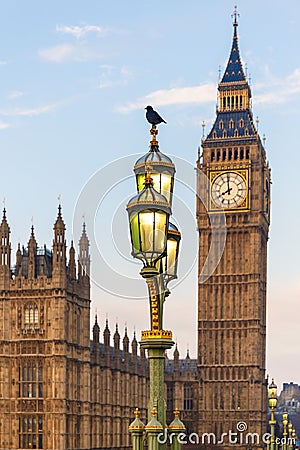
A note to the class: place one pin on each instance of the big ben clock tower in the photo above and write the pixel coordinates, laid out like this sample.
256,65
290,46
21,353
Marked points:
232,302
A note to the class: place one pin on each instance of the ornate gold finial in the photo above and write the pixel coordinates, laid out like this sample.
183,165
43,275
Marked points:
154,412
154,133
137,413
176,413
148,179
235,15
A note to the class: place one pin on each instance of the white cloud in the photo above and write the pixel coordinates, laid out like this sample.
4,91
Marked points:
67,52
193,94
79,31
35,111
29,112
277,90
4,125
273,91
15,94
111,76
3,62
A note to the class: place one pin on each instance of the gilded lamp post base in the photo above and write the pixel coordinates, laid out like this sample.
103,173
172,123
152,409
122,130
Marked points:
156,342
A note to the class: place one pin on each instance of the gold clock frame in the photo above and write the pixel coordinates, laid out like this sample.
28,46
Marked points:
244,206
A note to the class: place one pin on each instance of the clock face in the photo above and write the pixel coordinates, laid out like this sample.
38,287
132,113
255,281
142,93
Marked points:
228,190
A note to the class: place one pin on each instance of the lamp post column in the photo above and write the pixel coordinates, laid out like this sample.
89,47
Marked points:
285,421
272,405
155,241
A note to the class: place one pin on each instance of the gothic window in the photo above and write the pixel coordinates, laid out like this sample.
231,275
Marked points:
229,154
218,155
214,135
31,379
221,125
188,397
236,133
247,153
224,134
246,132
231,124
242,123
31,432
31,316
212,157
170,406
242,153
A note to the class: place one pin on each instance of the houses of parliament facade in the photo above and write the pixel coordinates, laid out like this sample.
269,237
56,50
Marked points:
60,389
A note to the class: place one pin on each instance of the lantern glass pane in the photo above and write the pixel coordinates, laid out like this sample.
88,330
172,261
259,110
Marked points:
171,252
140,179
146,230
160,238
135,232
162,183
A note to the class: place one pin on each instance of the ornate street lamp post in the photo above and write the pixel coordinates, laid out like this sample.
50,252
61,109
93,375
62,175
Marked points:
290,430
155,241
272,405
285,421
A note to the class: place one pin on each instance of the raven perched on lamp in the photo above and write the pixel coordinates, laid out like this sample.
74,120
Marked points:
153,117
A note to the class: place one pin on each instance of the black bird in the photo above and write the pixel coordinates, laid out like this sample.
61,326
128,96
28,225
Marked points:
153,117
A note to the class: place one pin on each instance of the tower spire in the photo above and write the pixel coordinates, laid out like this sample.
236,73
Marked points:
84,255
59,247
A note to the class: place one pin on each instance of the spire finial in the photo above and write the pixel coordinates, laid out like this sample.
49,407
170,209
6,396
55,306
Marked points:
264,139
203,128
257,122
220,72
235,16
4,209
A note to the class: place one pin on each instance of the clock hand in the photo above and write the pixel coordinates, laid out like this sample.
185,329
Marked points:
228,181
226,192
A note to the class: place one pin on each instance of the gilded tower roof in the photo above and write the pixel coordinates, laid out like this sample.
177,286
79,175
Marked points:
234,70
234,116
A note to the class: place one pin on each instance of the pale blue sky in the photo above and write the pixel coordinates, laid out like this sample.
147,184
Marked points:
75,77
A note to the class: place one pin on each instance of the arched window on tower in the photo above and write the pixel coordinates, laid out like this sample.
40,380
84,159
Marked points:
31,315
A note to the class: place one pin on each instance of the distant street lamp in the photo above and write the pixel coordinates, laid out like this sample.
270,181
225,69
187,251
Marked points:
155,241
272,405
285,421
290,430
